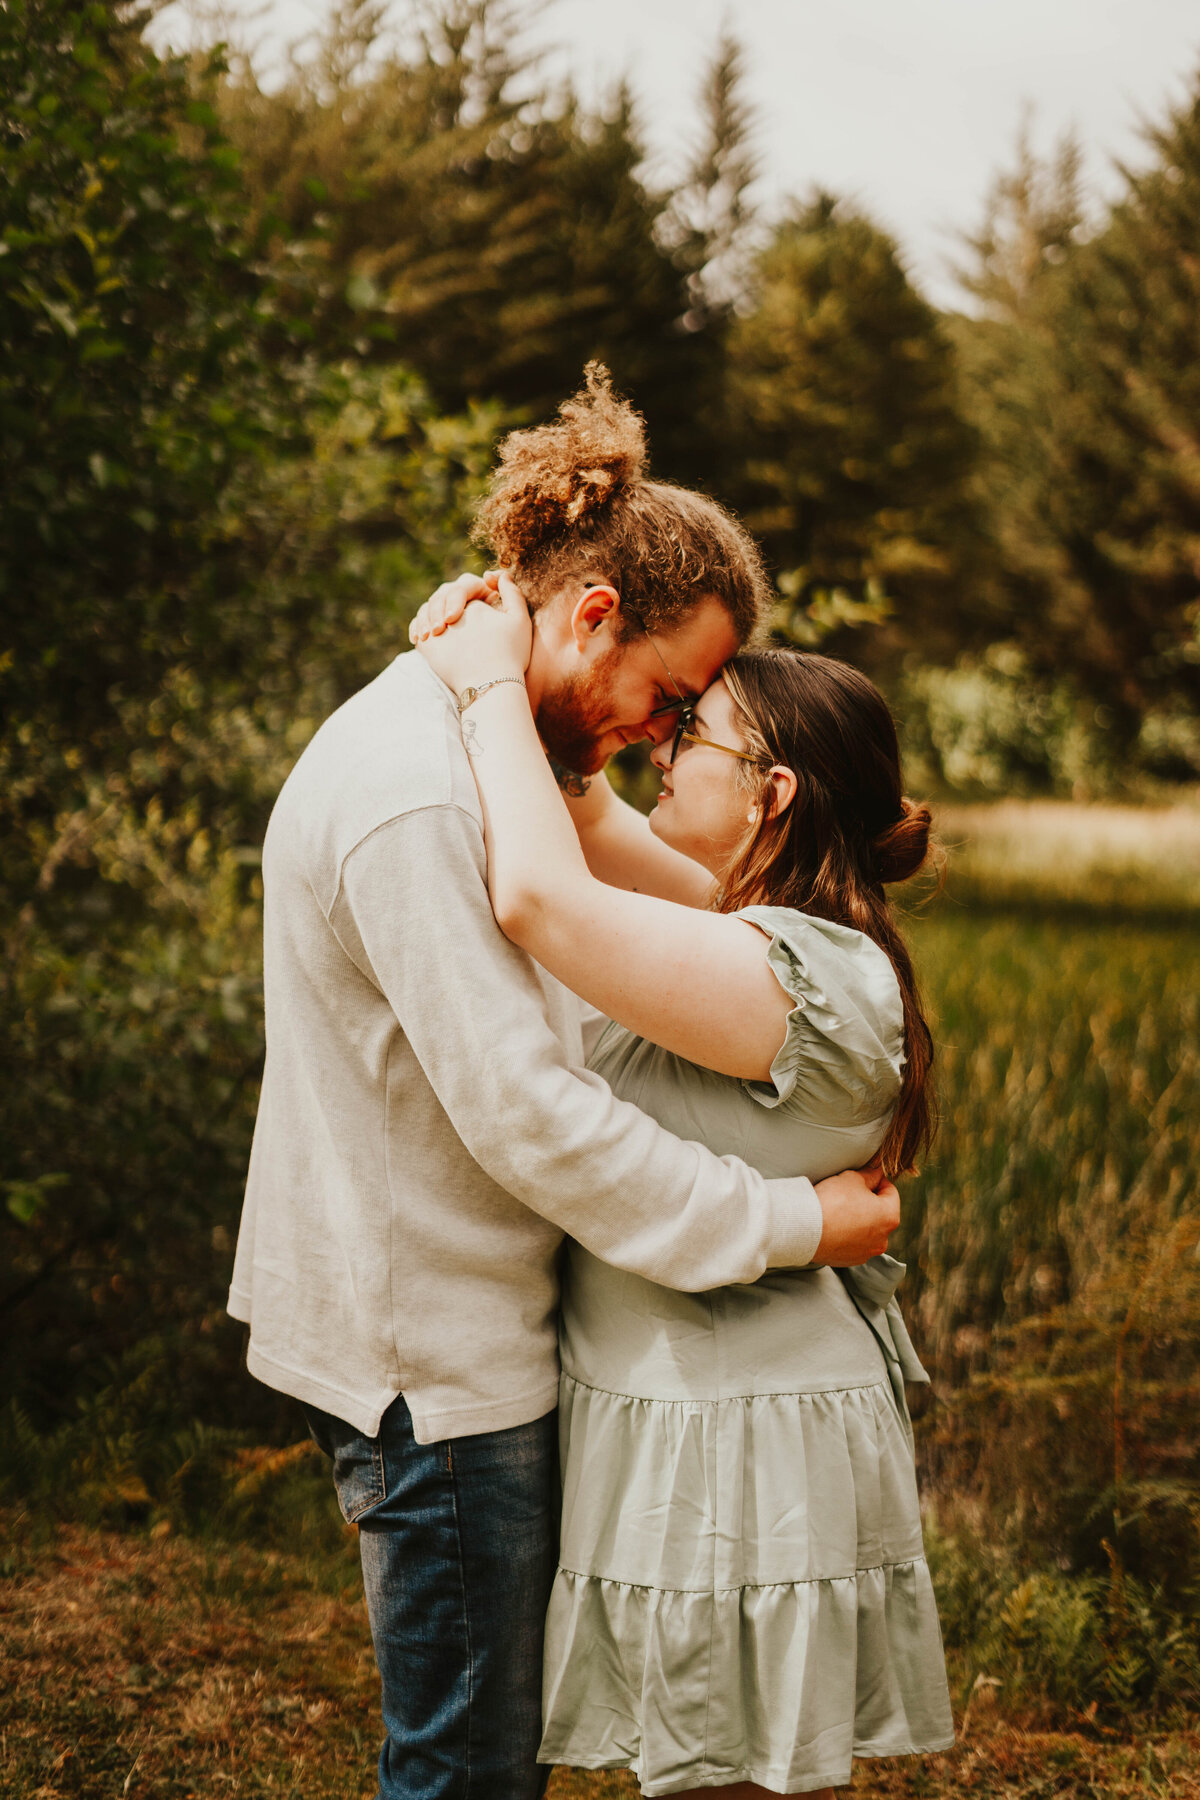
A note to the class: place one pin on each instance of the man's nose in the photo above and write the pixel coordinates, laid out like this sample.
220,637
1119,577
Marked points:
659,728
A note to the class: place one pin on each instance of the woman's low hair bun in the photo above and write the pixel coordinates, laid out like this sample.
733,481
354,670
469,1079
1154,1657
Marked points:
902,848
556,478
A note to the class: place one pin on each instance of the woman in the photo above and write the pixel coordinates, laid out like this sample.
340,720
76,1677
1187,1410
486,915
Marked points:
742,1599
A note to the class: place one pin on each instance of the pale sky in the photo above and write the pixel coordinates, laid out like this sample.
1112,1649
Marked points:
908,106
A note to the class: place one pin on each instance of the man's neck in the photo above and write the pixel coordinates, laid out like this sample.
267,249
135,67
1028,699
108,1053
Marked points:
541,670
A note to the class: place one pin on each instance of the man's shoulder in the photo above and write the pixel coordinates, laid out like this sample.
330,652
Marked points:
393,748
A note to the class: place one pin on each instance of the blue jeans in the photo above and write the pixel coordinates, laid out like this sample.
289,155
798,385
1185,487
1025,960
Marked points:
459,1543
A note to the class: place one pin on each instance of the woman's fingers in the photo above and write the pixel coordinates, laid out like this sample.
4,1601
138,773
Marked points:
456,596
448,602
511,597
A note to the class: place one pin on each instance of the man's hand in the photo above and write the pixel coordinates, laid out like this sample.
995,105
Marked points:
448,603
861,1209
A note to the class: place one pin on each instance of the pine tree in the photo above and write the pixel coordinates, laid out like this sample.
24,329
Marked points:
1007,361
1125,504
489,232
710,216
1082,378
842,382
1032,216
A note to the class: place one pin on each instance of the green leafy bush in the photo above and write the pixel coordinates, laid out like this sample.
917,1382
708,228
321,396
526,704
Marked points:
132,998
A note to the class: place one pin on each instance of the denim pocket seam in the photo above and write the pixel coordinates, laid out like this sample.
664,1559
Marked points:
378,1491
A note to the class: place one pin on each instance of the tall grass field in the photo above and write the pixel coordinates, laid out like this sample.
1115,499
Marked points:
1053,1250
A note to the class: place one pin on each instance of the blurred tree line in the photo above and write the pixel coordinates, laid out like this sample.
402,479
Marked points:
255,349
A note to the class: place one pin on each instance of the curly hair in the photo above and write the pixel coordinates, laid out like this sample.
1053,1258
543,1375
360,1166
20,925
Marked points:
572,500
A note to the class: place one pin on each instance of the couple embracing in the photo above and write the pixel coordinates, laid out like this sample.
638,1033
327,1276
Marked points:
553,1223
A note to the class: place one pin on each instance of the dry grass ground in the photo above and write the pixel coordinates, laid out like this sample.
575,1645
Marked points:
136,1668
1056,852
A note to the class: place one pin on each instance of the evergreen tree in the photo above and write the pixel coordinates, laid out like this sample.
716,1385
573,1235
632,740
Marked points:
1081,376
1006,352
488,232
710,217
1032,216
842,383
1124,506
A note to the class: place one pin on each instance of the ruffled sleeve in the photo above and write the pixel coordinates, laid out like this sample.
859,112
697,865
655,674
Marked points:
842,1057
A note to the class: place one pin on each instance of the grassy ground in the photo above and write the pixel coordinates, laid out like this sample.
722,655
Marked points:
1052,853
1069,1076
147,1668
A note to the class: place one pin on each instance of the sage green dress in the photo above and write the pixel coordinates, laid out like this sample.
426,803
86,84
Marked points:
742,1592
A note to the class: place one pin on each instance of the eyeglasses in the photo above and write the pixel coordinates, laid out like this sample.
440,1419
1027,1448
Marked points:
686,710
684,736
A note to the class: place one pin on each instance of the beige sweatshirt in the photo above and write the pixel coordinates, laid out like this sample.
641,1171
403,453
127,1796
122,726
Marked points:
427,1130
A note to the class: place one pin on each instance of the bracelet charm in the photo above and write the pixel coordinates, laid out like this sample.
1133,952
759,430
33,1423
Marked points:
472,693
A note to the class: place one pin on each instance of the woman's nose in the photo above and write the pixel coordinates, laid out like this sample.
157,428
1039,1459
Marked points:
660,756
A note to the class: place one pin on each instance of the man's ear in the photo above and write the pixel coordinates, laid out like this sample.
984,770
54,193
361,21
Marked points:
595,606
783,789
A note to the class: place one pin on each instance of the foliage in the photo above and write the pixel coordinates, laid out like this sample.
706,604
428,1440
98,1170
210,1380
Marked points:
1033,215
856,457
1128,508
711,218
132,994
1082,380
135,340
485,229
990,723
1052,1277
1058,1644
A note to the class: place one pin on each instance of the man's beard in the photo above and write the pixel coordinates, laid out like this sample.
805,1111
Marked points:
569,718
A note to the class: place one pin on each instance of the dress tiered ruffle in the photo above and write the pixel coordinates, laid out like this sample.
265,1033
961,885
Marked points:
743,1593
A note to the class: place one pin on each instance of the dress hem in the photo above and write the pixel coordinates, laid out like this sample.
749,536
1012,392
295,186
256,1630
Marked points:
751,1772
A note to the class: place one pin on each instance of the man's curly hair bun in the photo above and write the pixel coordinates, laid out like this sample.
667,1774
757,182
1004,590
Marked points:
561,478
572,502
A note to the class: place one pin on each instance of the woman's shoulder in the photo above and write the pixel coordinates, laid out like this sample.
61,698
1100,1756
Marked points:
845,1033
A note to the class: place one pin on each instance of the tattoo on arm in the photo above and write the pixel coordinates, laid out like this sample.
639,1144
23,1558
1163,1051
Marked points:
576,786
471,743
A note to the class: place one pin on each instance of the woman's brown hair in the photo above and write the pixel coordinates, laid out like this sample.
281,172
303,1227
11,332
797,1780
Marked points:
848,832
572,500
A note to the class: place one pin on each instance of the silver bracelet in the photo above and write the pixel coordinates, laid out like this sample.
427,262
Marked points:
473,693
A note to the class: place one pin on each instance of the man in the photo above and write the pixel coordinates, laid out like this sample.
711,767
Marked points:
427,1133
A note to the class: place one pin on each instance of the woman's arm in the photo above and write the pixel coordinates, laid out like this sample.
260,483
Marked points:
621,849
617,841
698,983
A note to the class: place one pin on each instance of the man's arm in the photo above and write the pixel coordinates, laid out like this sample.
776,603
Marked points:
413,913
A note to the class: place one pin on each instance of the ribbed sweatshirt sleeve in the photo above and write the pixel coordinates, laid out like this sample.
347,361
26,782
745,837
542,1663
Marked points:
412,911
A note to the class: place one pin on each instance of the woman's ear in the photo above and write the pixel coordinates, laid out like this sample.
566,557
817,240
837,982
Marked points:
782,788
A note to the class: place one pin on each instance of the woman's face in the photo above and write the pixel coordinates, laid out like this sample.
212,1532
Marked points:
706,804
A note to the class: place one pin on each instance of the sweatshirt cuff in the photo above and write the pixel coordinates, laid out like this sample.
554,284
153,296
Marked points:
798,1222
